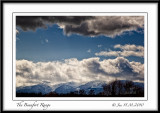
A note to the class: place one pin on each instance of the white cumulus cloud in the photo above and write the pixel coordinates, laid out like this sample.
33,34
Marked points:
29,73
99,46
46,40
126,50
89,50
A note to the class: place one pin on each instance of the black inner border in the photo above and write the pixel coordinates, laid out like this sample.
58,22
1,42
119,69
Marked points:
81,97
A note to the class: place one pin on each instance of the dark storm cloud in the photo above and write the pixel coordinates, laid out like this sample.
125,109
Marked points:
84,25
34,22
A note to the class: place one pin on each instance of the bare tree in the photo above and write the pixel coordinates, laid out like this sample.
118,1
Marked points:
107,90
120,87
82,92
91,92
128,86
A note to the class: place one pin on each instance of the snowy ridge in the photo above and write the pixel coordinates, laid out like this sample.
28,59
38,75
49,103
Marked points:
40,88
68,87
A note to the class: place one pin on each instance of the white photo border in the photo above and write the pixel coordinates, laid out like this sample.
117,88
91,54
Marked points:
64,105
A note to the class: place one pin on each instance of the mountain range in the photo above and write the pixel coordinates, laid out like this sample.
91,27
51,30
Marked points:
68,87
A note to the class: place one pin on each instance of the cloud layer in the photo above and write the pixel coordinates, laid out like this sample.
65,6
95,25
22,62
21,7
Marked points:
29,73
126,50
84,25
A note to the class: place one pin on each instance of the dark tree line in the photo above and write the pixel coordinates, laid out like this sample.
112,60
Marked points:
113,89
118,88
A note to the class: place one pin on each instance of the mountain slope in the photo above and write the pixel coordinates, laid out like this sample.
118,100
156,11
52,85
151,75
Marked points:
93,85
40,88
64,89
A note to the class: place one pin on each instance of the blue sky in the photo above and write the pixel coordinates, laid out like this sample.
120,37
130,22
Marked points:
60,49
52,44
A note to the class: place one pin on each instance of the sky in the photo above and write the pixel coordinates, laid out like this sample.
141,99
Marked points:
60,49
